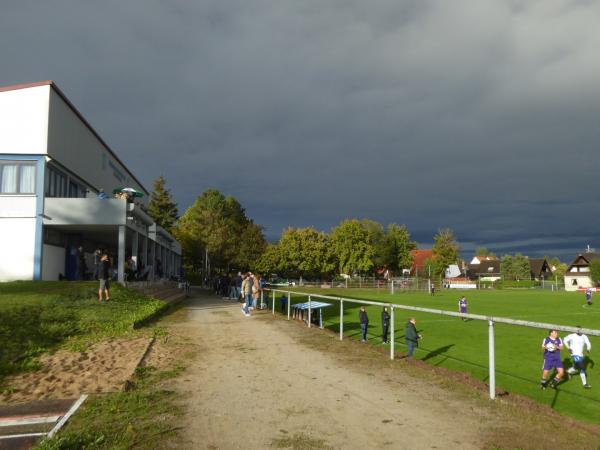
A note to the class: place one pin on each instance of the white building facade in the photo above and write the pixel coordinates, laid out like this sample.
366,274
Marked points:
52,167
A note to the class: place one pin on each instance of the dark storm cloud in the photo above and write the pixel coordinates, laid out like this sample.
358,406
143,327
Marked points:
477,115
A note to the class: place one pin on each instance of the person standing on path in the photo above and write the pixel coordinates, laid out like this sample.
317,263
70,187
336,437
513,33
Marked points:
576,343
364,323
412,337
385,322
104,277
247,293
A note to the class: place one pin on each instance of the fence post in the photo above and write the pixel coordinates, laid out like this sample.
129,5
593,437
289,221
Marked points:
392,281
273,306
262,302
309,312
492,376
393,325
289,304
341,319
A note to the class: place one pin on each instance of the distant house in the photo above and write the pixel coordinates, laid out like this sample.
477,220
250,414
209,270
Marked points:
486,270
540,269
578,273
479,259
419,257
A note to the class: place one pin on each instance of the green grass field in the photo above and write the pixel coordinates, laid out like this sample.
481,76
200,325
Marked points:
463,346
38,316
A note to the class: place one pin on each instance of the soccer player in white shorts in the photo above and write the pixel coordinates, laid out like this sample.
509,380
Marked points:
576,343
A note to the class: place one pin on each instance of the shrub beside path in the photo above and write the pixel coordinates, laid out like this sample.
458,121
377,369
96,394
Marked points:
262,382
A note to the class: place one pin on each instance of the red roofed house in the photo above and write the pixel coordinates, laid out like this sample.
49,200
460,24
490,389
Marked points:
419,257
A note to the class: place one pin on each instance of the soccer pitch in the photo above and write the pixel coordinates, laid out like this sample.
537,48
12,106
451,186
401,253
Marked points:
463,345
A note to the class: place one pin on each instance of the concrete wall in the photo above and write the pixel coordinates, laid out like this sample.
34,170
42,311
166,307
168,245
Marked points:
17,241
72,144
84,211
24,120
53,262
17,237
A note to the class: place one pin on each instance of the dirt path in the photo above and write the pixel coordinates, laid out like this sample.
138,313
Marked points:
262,382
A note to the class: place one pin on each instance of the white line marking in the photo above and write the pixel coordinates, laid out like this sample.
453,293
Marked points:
16,436
67,416
11,422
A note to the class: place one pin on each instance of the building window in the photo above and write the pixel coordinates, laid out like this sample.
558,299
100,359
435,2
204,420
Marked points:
17,177
574,282
60,185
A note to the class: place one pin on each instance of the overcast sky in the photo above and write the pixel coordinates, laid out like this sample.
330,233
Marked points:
482,116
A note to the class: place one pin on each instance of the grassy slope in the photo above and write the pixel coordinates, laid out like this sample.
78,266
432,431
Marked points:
38,316
458,345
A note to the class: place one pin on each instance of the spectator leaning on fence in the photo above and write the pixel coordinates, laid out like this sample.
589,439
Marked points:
412,337
385,322
364,323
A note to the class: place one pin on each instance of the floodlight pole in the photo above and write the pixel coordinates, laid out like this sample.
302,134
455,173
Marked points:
392,324
341,319
492,376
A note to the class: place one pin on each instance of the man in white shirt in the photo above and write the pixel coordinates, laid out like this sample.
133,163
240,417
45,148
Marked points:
576,343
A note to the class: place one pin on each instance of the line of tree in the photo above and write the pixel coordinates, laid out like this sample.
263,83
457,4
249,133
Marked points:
217,228
353,247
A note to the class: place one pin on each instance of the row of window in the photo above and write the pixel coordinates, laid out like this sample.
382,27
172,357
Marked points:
19,177
60,185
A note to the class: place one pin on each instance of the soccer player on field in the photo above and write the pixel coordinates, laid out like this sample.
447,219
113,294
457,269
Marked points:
588,296
551,346
576,343
462,305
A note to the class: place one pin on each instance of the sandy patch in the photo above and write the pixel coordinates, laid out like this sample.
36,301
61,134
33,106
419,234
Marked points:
105,367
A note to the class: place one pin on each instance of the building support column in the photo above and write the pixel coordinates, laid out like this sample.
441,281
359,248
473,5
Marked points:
121,255
135,240
145,251
153,259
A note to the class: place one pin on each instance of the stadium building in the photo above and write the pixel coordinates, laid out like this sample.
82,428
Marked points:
53,170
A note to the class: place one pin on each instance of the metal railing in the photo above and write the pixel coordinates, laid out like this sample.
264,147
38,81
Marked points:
490,319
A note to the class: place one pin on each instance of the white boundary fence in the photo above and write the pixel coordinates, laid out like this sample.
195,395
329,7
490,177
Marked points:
490,320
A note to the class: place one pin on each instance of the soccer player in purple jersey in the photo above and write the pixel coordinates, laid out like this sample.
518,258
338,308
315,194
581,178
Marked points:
551,346
462,305
588,296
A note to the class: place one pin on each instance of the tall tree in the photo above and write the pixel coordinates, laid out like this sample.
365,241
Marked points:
161,207
352,245
269,261
217,225
515,267
395,252
482,251
445,250
305,252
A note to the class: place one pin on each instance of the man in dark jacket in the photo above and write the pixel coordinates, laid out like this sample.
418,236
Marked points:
412,337
364,323
385,323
